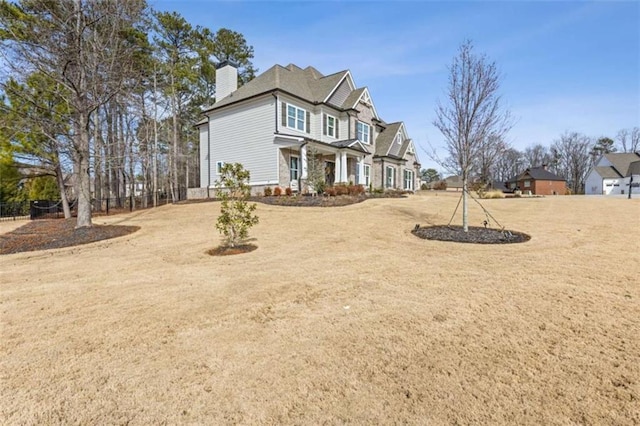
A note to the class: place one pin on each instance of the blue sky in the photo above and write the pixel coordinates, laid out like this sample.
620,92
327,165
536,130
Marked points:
565,65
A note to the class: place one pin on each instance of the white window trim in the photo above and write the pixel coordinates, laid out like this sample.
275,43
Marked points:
408,178
368,141
367,174
332,128
527,183
295,118
290,169
389,176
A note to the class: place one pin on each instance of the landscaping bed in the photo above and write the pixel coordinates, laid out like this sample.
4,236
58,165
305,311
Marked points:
57,233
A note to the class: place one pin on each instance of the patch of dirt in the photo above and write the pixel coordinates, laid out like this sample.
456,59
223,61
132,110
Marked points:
47,234
475,235
227,251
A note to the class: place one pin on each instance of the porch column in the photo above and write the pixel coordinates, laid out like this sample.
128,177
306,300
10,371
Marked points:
343,167
338,171
303,159
360,171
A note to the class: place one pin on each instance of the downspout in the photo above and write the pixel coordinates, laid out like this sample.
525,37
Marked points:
276,110
384,181
630,186
208,155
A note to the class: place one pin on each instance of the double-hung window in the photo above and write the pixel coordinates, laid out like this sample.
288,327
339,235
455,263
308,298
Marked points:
367,175
296,118
330,126
408,180
390,178
362,132
294,167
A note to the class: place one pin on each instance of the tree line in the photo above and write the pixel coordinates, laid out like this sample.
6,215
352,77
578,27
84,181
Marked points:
571,157
103,96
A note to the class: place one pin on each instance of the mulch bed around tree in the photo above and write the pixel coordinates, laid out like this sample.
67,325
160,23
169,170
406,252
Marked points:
57,233
476,235
227,251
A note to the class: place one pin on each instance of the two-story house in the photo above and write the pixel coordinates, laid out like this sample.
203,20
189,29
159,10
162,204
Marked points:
271,123
614,174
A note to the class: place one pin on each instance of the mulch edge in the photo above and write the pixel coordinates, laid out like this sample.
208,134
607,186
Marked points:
516,236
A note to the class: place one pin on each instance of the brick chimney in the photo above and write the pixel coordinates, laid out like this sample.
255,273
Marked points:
226,79
544,167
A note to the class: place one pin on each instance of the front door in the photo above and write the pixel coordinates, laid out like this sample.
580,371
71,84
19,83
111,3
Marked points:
329,172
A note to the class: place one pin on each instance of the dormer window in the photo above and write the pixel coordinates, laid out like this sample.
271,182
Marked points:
362,132
399,139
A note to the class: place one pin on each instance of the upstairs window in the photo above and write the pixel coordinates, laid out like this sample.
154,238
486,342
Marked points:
329,126
362,132
296,118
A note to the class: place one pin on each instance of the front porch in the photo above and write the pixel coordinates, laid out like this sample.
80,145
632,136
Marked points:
340,164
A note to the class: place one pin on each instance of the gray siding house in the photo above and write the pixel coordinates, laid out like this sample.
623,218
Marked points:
270,123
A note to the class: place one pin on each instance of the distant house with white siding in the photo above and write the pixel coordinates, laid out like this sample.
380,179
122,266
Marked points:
614,174
270,124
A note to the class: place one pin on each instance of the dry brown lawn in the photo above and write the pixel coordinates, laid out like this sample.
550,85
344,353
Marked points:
340,316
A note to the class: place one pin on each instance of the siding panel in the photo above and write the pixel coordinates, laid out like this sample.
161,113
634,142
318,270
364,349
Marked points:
244,134
341,94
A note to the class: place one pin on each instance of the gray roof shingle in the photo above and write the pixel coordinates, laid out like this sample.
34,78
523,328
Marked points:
308,84
622,161
607,172
385,139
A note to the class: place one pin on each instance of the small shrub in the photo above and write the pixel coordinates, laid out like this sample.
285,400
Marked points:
496,193
441,185
277,191
424,187
567,191
236,215
330,191
268,191
341,189
356,189
288,192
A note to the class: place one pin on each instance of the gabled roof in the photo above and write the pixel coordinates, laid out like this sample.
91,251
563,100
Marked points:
607,172
536,173
357,96
350,143
634,168
384,141
308,84
622,161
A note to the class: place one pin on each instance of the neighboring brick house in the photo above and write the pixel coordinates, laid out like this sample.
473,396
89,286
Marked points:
614,174
539,181
270,124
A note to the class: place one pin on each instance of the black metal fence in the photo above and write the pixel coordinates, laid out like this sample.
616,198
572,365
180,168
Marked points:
48,209
14,211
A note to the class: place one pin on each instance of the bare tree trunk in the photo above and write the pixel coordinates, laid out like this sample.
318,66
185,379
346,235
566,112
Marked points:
155,139
465,207
97,159
84,178
63,192
174,163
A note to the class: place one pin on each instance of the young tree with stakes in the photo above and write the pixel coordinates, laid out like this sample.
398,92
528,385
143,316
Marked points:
472,114
236,214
